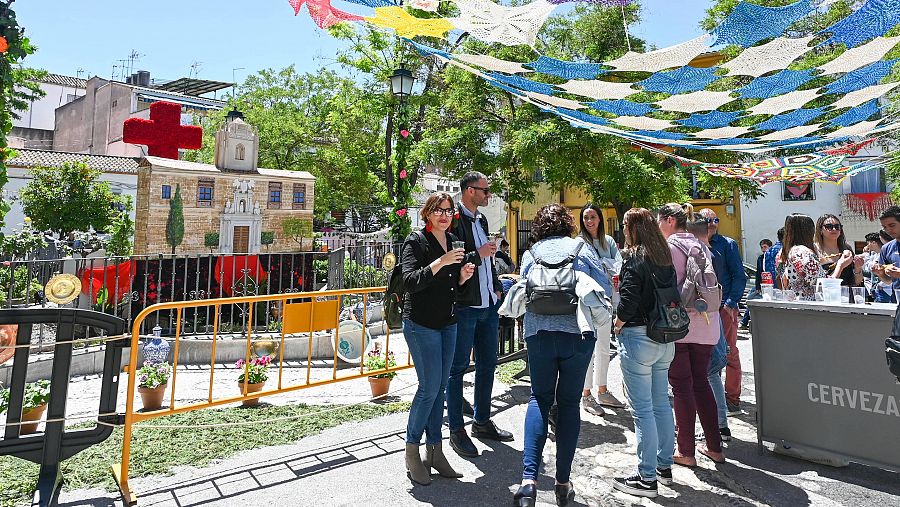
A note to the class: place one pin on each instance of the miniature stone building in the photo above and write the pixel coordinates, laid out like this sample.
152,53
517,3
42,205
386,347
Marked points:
232,197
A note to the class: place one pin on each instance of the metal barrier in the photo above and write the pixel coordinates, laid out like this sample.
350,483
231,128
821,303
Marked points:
56,444
313,311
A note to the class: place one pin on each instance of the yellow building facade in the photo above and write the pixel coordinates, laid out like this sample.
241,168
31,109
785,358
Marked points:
521,214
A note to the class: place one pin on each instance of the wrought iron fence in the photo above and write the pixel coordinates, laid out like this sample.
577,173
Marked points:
123,286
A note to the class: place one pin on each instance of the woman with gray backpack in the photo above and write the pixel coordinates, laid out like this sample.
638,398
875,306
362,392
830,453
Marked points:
689,372
564,302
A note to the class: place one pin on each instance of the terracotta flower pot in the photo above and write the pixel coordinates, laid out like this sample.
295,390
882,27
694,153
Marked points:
152,397
34,414
379,386
251,388
8,341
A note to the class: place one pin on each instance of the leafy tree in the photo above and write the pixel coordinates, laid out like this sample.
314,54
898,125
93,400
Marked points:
18,86
122,232
175,220
69,198
211,240
23,242
297,229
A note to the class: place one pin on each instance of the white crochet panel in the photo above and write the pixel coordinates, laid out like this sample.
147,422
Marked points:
781,103
666,58
491,63
722,133
860,129
858,97
643,122
695,101
492,22
598,89
860,56
775,55
791,133
555,101
886,128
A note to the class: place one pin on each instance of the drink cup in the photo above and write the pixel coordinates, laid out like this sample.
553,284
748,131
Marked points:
766,278
768,290
458,244
615,283
845,295
859,295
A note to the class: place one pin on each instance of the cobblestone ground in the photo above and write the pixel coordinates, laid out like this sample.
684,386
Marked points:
362,464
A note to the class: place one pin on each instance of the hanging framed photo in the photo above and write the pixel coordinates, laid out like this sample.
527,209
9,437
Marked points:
798,191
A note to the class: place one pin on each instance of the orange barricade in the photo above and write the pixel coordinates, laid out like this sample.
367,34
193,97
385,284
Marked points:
317,311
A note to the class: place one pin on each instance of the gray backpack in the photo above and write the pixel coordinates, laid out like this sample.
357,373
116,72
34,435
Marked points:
701,290
550,286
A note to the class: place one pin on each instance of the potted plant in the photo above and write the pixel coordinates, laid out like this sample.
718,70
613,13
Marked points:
153,379
380,383
34,403
256,376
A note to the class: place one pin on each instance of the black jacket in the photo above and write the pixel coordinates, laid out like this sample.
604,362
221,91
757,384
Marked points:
759,270
636,289
470,295
430,297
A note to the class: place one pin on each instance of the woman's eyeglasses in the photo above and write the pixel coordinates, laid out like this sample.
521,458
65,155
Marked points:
832,227
444,211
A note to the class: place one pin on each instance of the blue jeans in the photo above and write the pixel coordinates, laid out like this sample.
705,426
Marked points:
558,363
717,362
432,350
476,328
754,294
645,370
881,296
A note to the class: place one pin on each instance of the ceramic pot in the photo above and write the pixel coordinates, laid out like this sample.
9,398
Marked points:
251,388
152,397
34,414
379,386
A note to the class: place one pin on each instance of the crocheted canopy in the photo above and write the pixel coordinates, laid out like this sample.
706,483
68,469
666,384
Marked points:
659,97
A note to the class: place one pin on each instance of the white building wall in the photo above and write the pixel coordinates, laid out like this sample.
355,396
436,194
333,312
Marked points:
41,113
125,184
762,218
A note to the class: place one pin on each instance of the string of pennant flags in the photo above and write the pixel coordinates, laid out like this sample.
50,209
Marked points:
692,107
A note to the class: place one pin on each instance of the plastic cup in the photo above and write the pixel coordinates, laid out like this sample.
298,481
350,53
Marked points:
459,244
845,295
859,295
768,291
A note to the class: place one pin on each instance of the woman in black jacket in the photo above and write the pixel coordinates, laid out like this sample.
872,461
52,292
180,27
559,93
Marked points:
645,363
432,274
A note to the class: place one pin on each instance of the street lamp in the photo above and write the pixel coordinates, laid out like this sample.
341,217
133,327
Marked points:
402,82
401,86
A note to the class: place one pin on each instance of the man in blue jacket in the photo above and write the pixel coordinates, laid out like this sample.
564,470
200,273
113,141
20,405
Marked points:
769,260
730,272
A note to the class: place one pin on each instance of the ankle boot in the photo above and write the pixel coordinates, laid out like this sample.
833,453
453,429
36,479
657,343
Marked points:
417,471
434,458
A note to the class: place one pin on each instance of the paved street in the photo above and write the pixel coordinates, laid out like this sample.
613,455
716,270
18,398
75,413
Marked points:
362,464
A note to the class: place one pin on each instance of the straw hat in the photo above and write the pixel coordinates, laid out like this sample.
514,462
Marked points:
62,289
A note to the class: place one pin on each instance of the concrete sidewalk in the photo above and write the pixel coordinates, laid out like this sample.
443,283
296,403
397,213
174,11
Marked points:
362,464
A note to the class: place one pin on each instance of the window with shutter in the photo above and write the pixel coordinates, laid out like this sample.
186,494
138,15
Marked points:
299,201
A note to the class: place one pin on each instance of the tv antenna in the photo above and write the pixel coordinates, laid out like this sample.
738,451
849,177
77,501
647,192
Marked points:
132,57
195,69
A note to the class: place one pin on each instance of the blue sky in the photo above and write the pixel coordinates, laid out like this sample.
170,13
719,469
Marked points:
227,34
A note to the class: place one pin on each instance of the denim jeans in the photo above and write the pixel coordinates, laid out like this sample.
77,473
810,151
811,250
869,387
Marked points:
476,328
432,351
645,370
717,362
881,296
754,294
558,363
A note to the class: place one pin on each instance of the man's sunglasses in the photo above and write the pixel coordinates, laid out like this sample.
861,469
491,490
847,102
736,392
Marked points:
486,190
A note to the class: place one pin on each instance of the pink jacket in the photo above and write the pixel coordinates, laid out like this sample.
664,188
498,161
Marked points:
702,331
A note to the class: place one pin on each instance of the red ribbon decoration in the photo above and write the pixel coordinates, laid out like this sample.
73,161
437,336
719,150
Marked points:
230,268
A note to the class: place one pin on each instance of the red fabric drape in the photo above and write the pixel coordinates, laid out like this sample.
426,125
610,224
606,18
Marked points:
230,268
870,204
116,278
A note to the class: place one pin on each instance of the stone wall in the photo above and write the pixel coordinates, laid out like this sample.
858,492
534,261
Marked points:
153,210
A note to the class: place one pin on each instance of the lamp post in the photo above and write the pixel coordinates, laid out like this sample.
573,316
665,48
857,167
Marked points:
402,81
